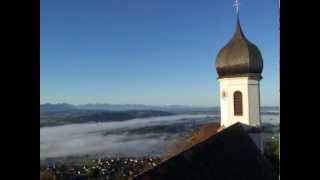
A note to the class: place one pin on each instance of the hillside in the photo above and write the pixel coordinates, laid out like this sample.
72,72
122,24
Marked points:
78,116
59,107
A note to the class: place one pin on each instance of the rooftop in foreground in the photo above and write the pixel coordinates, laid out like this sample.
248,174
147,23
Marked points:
229,154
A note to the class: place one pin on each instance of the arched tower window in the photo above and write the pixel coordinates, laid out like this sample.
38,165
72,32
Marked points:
237,103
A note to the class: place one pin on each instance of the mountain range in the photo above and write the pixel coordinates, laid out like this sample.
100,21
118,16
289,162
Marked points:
48,107
120,107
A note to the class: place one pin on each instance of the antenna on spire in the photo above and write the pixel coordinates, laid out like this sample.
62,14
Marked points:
236,5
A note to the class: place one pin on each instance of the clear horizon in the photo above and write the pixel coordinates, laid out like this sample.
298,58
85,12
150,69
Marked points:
148,52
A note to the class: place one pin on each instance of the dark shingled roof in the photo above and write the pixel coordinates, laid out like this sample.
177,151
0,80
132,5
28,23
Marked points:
239,57
228,155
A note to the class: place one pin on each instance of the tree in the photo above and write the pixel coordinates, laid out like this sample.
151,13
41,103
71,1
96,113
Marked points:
272,152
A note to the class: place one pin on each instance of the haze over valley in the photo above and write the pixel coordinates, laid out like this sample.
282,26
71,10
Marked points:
127,132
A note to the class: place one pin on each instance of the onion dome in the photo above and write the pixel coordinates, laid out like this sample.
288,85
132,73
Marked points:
239,57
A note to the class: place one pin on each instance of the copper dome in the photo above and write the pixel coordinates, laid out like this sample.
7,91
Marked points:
239,57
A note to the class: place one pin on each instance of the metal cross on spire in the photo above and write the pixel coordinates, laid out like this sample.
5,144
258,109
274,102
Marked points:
236,5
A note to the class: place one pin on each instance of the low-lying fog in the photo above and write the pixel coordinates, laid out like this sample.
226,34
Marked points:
136,137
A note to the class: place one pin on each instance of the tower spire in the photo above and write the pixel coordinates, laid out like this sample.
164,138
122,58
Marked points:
237,5
238,33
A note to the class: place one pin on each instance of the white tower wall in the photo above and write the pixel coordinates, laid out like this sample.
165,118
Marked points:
250,91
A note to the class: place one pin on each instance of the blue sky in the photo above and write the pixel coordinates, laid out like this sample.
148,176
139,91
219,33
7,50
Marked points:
156,52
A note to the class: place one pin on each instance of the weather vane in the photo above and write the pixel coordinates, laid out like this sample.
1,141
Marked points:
236,5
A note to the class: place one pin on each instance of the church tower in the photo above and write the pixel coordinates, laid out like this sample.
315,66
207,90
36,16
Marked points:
239,66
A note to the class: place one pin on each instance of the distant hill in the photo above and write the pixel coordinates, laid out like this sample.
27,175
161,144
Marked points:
128,107
84,116
57,107
121,107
